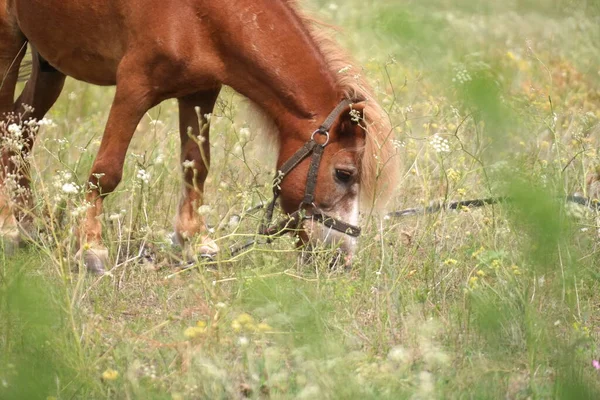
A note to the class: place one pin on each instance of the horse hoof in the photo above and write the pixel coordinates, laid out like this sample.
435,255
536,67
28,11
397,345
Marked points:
95,260
205,249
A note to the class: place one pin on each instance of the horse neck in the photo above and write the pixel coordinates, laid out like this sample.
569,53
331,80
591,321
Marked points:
272,59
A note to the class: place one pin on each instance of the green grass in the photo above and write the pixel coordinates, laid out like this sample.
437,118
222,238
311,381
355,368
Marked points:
499,302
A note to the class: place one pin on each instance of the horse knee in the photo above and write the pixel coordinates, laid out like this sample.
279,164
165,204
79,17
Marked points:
105,179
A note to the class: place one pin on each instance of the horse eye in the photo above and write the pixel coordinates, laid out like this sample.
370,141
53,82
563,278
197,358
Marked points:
343,175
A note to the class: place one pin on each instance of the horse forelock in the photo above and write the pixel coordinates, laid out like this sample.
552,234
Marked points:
379,161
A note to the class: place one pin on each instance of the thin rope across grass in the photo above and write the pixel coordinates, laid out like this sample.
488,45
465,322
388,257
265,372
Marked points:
477,203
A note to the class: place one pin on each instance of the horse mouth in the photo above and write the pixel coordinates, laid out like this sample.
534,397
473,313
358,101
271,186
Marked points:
315,235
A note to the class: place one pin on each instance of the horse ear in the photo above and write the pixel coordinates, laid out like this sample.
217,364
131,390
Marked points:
351,121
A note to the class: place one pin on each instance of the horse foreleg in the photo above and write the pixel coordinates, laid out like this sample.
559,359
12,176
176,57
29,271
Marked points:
38,96
12,50
190,227
131,101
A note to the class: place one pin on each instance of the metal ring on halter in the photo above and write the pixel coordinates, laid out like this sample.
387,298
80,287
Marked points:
322,132
304,206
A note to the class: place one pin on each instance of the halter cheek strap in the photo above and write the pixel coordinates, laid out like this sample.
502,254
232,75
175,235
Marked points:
316,149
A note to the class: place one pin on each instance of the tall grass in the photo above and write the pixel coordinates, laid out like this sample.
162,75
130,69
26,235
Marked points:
486,99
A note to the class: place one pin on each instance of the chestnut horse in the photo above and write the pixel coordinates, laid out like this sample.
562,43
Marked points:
154,50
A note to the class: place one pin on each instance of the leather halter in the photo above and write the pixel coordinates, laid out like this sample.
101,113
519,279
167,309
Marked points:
312,147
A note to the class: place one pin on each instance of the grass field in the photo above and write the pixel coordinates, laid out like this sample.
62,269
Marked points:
487,98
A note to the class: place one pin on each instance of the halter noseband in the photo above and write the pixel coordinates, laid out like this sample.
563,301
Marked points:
316,149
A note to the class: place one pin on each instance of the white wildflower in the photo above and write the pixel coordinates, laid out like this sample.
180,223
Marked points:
234,221
462,75
355,115
187,164
46,122
398,144
398,354
69,188
440,144
15,130
143,175
237,150
345,69
81,209
244,133
204,209
333,6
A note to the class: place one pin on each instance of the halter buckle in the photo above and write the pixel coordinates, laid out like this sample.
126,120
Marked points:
321,131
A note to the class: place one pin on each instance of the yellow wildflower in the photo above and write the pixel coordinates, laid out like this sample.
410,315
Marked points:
193,331
264,327
586,331
478,252
245,319
480,273
110,374
450,261
453,175
236,326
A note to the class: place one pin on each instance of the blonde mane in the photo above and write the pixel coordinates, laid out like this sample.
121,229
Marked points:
379,162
